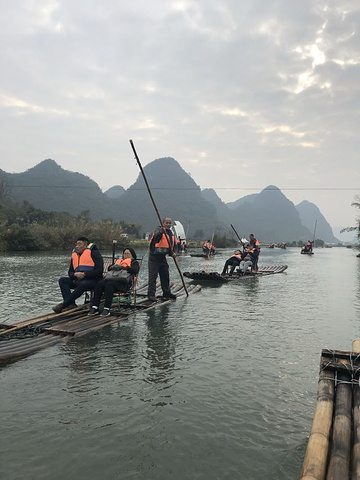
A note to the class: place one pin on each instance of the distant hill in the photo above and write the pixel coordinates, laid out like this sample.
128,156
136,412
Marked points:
175,193
268,214
222,210
115,192
241,201
309,214
50,187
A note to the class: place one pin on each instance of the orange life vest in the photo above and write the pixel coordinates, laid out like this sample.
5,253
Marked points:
236,256
162,247
124,262
83,262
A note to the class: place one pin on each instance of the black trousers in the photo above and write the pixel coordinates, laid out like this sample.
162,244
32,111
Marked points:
232,262
158,266
108,288
66,285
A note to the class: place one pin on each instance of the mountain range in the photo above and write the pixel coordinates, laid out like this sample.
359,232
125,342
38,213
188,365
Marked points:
269,214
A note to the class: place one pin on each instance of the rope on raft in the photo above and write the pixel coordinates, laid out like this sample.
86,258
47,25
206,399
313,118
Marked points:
352,369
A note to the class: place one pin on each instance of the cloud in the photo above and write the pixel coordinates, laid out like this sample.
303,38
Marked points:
270,85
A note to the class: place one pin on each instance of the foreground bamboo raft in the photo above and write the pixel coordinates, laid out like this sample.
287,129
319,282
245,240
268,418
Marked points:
333,450
23,338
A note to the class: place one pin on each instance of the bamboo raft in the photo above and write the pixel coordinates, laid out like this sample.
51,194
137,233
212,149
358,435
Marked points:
333,450
217,277
26,337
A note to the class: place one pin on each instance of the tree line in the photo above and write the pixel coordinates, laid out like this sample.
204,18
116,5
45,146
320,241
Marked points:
26,228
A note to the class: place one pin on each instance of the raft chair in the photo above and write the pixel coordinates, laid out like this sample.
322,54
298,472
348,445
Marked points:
90,293
128,297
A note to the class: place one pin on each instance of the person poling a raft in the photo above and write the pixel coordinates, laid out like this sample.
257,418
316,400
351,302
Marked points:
158,249
167,236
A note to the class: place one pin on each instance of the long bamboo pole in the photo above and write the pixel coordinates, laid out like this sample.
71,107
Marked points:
315,461
355,466
237,235
158,215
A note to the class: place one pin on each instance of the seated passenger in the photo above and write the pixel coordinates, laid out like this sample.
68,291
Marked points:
248,260
86,268
126,267
232,262
206,247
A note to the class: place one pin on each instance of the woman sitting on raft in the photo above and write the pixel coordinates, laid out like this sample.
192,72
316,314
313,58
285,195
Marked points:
118,279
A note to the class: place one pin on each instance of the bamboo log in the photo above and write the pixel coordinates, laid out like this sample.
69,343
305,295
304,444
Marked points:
355,466
314,465
339,462
43,319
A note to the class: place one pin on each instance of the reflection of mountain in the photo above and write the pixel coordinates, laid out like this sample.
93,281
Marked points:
309,214
268,214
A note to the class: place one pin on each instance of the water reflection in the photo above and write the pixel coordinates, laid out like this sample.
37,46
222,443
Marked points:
160,347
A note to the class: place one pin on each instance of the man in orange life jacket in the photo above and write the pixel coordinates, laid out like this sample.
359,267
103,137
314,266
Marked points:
158,249
86,269
255,245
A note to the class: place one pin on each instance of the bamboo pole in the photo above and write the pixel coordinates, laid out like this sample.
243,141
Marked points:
314,465
339,461
355,464
43,319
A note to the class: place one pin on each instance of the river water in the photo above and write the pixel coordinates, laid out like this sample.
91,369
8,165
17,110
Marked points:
221,385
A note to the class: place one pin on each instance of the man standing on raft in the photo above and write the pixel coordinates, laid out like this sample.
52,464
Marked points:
158,249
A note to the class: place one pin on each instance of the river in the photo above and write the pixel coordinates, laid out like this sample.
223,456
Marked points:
219,386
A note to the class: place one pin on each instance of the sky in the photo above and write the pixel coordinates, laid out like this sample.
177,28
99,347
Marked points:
242,94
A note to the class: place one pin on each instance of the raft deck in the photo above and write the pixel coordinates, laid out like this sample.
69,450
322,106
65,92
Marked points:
24,338
333,450
203,276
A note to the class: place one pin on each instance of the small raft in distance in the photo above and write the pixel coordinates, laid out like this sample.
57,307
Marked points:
203,276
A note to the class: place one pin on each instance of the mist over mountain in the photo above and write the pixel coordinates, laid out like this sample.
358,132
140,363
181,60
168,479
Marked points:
310,214
268,214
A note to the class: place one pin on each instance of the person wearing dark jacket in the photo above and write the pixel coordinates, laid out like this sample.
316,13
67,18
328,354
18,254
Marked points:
130,267
158,249
86,269
232,262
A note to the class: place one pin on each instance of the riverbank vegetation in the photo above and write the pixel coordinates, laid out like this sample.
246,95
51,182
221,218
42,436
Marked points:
26,228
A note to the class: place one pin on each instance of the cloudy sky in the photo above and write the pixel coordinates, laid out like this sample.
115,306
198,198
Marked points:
242,94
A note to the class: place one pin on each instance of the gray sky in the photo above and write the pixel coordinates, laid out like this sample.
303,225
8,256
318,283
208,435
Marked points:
242,94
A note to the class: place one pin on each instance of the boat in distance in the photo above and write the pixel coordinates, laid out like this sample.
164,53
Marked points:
203,276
